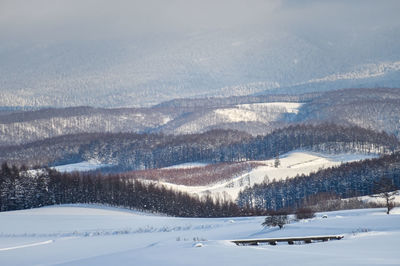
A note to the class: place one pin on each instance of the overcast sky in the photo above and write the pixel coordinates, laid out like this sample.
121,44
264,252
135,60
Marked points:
74,19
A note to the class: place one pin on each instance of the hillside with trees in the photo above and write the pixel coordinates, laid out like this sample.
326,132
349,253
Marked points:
24,189
345,181
126,151
377,109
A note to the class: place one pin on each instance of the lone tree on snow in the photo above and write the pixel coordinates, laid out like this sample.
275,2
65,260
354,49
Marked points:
277,162
384,188
276,218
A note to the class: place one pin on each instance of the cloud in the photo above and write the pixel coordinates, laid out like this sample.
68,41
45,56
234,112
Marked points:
80,18
75,19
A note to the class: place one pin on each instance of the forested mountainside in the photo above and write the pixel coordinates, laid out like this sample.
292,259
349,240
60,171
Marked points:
376,109
347,180
126,150
28,126
144,151
176,117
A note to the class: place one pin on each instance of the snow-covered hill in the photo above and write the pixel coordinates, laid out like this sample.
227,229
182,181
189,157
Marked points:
94,235
258,118
291,164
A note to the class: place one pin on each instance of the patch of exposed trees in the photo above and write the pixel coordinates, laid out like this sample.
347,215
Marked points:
345,181
196,176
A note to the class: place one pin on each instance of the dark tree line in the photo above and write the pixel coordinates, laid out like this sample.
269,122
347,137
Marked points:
148,151
347,180
21,189
211,102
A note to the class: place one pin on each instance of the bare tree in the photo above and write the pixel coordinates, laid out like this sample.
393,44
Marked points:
304,213
384,188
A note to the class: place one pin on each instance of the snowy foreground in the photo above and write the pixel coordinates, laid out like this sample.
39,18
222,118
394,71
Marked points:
93,235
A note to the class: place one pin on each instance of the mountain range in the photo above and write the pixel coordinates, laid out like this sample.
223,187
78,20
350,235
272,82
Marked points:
289,49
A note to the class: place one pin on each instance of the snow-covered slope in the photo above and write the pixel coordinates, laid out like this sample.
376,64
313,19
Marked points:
259,118
80,167
291,164
261,112
90,235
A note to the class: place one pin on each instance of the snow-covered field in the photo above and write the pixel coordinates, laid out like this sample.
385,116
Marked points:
94,235
291,164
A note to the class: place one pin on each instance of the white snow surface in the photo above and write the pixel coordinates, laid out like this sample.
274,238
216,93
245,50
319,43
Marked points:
95,235
261,112
80,167
291,164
